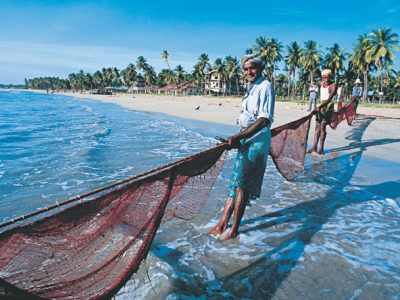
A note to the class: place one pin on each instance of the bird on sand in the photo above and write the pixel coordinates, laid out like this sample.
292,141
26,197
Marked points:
197,108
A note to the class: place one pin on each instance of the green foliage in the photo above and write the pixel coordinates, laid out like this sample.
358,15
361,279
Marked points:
371,59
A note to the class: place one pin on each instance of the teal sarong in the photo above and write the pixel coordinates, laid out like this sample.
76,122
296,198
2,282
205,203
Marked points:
251,161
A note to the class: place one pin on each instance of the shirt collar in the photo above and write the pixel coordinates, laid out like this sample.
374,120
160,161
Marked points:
250,86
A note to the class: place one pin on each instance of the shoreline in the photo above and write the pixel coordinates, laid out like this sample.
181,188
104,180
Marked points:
380,138
222,110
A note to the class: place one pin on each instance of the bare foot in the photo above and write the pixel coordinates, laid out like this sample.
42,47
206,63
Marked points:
217,230
321,152
312,152
231,235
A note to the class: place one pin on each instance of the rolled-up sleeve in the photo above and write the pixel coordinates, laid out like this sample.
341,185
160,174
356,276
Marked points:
266,106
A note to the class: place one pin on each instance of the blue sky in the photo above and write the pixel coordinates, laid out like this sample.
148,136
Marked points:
55,38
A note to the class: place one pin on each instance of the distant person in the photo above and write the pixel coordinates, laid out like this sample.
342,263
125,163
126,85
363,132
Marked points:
253,142
357,92
340,96
313,91
370,95
324,113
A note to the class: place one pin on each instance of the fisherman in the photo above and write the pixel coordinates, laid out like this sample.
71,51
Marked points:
357,92
324,112
253,142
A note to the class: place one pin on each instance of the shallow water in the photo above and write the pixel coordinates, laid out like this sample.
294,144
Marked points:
53,147
331,234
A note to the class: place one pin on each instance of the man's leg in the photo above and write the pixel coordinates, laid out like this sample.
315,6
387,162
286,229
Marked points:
240,205
310,103
226,215
323,137
317,134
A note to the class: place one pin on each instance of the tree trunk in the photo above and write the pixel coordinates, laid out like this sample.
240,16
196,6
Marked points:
294,83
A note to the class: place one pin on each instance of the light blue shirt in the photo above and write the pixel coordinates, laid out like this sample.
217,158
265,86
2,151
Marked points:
357,91
259,102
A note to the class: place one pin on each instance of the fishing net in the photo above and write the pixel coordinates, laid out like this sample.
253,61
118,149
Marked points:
347,112
288,147
91,249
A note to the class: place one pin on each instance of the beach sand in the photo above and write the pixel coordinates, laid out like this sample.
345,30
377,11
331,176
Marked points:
381,136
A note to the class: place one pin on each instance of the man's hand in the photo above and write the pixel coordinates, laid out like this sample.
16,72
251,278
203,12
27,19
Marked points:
233,142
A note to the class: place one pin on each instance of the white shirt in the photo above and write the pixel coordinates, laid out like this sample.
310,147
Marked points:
259,102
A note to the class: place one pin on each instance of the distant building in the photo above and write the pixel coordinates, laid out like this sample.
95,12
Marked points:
151,89
189,89
185,89
137,86
214,85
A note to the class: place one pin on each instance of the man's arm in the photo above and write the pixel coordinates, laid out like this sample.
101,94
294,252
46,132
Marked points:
260,123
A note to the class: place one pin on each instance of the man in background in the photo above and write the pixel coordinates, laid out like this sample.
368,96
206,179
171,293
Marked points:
313,91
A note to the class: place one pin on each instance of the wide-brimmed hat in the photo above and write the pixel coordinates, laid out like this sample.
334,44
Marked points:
357,81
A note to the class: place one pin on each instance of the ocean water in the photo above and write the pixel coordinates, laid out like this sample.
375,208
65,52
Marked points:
53,147
333,233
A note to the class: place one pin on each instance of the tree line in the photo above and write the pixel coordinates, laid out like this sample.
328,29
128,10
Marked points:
290,68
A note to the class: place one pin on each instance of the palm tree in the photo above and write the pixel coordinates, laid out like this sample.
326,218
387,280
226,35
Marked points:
292,60
275,54
310,58
200,67
383,45
129,75
335,59
232,72
179,74
149,75
165,77
360,62
98,80
219,68
397,83
271,50
73,83
141,64
165,56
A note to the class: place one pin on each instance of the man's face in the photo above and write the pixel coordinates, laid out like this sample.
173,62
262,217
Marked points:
326,78
252,71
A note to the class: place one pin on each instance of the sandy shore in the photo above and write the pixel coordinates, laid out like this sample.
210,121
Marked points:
212,109
380,139
381,135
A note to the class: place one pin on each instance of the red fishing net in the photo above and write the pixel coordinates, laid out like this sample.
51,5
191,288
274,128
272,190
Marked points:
91,249
347,112
288,147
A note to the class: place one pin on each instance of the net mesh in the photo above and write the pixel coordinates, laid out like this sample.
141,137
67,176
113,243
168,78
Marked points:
288,147
91,249
347,112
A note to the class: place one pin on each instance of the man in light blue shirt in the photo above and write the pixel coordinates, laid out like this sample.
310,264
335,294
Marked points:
313,90
253,142
356,94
